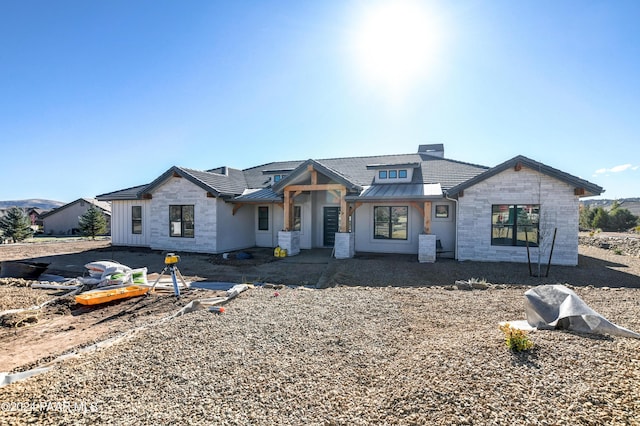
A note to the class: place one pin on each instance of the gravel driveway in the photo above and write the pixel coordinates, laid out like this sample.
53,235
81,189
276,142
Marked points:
380,354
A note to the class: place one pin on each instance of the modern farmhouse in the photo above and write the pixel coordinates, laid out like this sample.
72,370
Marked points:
420,203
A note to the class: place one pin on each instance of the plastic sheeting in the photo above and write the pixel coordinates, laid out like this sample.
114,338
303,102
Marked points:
557,307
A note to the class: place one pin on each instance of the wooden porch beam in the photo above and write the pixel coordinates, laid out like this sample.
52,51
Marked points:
236,207
425,212
417,207
354,206
315,187
314,174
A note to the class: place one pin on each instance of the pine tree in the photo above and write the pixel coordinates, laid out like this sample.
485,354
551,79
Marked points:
93,223
16,225
621,219
600,219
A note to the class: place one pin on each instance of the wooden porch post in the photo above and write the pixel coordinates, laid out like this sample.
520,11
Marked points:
427,217
344,213
287,210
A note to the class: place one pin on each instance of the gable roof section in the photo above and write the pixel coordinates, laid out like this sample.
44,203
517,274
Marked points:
355,173
102,205
257,177
590,188
132,193
326,170
219,185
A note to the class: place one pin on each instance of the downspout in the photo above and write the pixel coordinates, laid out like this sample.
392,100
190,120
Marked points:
446,196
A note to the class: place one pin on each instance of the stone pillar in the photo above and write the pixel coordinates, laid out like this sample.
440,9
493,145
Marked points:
345,245
289,240
426,248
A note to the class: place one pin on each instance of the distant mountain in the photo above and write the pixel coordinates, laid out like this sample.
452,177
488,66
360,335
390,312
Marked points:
36,203
631,204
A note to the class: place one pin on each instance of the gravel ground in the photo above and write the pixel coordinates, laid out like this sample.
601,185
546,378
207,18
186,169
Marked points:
349,355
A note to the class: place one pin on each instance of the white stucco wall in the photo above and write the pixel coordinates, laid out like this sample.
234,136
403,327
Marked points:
234,231
121,223
443,228
558,208
267,238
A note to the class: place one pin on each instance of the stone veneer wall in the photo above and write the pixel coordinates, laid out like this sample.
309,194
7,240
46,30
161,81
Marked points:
558,208
345,244
426,248
179,191
290,241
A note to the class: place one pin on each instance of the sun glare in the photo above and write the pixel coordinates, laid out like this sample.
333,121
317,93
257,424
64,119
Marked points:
394,45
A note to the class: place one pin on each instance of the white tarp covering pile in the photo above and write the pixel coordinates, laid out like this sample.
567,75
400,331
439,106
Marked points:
557,307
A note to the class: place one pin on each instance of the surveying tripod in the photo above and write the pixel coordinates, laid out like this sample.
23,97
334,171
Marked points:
170,261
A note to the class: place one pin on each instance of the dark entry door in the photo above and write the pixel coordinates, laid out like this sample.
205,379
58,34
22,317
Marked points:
331,223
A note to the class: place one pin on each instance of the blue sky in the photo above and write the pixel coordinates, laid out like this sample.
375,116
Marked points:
104,95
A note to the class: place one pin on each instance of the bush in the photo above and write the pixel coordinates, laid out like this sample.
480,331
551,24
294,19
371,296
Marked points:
617,219
515,339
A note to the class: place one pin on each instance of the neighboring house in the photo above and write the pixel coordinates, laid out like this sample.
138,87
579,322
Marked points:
64,220
420,203
34,213
35,216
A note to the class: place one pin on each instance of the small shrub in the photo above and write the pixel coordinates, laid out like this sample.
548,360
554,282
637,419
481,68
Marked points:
617,251
515,339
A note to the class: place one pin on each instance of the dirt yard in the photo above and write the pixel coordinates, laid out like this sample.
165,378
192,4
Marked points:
33,337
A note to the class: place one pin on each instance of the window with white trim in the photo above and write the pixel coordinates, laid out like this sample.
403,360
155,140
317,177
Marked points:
263,218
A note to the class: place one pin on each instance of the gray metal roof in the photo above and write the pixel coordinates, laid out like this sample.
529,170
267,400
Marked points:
259,195
404,191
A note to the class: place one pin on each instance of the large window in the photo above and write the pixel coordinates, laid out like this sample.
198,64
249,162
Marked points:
181,221
390,223
514,225
136,219
263,218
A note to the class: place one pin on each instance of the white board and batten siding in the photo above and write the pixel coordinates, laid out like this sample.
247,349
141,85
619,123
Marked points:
121,225
558,209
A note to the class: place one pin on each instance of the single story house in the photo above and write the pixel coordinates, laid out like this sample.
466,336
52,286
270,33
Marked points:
420,203
65,219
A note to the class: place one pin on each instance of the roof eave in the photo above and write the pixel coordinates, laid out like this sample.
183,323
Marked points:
578,183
